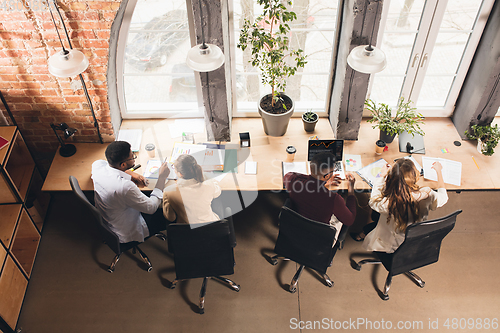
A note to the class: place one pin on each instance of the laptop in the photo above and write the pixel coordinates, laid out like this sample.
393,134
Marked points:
336,147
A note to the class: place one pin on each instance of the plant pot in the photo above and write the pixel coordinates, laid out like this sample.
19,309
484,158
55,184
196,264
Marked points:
386,137
276,124
309,125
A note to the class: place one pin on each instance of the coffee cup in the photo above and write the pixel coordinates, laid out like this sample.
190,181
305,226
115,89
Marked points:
290,153
379,147
150,149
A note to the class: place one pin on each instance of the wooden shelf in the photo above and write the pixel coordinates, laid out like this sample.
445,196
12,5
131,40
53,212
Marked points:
22,212
3,254
10,215
7,132
25,243
12,288
19,166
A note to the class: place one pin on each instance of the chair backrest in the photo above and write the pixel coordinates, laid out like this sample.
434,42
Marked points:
422,244
106,233
205,250
307,242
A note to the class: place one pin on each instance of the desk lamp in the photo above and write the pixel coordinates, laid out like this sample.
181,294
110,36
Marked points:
67,149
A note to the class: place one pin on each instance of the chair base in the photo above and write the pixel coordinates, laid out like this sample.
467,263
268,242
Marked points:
203,291
385,294
295,279
143,256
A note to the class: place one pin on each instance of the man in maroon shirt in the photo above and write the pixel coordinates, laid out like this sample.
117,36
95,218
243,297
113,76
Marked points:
311,197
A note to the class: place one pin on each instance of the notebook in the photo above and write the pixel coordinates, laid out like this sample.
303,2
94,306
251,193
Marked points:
336,147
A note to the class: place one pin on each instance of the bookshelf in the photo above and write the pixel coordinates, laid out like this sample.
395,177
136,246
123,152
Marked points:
22,207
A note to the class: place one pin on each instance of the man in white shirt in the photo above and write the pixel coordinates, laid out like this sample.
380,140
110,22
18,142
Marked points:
131,214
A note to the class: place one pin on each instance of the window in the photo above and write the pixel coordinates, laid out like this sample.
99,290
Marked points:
155,80
313,31
429,46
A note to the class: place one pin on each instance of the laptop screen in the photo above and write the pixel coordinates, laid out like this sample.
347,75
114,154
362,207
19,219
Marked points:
319,146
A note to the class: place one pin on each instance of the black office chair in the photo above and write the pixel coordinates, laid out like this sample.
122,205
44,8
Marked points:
107,234
203,250
420,248
307,242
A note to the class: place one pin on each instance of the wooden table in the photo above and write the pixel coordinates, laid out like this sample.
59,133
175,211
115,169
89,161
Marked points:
269,151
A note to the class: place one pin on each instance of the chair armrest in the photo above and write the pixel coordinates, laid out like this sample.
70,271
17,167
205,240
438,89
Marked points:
229,218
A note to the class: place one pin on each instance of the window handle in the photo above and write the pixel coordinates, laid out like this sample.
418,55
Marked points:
424,59
415,60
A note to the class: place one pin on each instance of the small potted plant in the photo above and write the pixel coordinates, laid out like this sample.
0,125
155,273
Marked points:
269,42
406,119
309,118
487,138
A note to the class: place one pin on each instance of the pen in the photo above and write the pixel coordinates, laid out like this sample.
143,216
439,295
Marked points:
135,167
475,162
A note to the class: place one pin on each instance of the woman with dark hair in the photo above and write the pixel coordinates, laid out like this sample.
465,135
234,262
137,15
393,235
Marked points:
189,200
401,202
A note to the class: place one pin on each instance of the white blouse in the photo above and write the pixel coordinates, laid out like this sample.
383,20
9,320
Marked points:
196,198
384,238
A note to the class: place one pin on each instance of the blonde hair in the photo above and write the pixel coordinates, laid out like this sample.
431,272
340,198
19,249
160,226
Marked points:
400,184
189,168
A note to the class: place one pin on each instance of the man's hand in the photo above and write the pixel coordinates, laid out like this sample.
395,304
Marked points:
334,180
352,180
138,179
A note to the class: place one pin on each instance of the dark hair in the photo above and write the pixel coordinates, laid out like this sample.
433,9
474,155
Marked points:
189,168
117,152
322,163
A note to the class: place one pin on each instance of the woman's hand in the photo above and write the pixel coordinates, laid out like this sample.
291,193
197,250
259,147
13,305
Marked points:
437,166
385,169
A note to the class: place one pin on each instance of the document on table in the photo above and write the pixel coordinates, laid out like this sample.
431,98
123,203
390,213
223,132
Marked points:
132,136
452,170
298,167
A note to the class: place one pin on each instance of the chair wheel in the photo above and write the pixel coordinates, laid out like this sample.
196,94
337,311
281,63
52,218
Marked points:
150,268
274,262
237,288
110,270
422,285
357,267
329,283
202,311
384,297
292,290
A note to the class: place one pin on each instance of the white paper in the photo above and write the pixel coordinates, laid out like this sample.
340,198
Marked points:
372,172
197,151
452,170
186,125
152,168
352,162
298,167
132,136
250,168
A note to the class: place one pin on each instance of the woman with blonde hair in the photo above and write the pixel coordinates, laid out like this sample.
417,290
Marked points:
401,202
189,200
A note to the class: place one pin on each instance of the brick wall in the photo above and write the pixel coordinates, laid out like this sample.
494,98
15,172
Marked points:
37,98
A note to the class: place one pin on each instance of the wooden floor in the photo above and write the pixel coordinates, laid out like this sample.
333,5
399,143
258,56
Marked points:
70,291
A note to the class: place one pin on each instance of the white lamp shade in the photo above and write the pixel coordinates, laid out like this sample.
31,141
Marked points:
68,65
367,61
205,60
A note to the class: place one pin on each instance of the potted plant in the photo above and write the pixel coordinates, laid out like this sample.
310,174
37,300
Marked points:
268,39
309,119
487,138
406,119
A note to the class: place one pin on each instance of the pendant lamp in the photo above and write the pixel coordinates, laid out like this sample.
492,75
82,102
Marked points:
67,63
204,57
367,59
